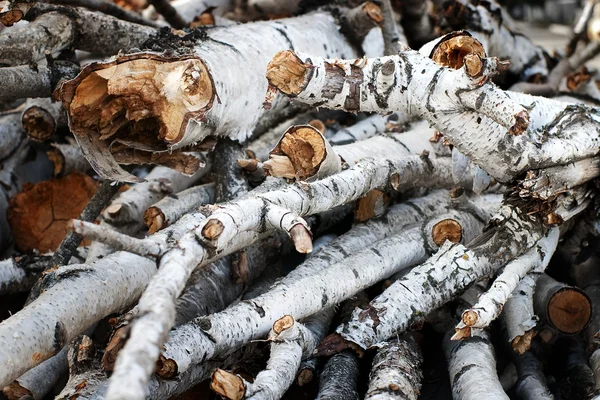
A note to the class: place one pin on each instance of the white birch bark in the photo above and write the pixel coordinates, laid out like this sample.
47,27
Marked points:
396,371
214,334
288,348
532,382
128,207
64,309
168,210
490,304
519,315
190,9
450,271
232,101
367,128
472,368
458,105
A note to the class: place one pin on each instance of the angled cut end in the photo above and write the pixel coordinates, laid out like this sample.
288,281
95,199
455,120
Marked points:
283,323
302,239
288,73
469,317
154,219
213,229
227,385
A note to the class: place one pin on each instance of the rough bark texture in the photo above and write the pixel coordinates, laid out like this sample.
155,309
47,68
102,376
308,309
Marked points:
396,371
23,81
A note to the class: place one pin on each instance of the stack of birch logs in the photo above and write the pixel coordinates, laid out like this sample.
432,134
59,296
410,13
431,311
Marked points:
267,199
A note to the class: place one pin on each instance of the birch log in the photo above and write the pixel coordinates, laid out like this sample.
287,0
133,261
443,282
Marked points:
40,118
519,316
208,87
67,158
490,304
451,270
469,118
532,382
328,286
63,310
396,371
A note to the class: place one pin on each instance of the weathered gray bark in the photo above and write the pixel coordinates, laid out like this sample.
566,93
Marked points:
23,81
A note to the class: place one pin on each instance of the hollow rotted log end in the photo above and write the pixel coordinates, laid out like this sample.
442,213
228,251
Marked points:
213,229
38,123
522,343
447,229
154,219
305,148
521,123
457,49
288,73
15,391
302,239
166,368
570,310
227,385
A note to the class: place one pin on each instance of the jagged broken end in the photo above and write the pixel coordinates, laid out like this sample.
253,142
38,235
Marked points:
288,73
302,238
227,385
335,343
522,343
143,101
155,219
457,47
166,368
58,159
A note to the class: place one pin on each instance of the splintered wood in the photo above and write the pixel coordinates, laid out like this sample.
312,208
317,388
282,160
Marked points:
313,208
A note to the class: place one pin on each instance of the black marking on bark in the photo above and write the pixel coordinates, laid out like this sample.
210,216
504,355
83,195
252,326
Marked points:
355,79
285,35
430,89
55,277
462,371
260,311
374,250
479,101
324,300
60,336
395,139
335,78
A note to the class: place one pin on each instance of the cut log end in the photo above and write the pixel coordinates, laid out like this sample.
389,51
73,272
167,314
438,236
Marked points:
373,12
452,51
469,317
302,239
282,324
570,310
370,206
39,124
522,343
213,229
154,219
305,376
447,229
227,385
136,96
288,73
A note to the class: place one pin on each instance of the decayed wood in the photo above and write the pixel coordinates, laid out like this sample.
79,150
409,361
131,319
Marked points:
490,304
40,118
209,87
39,213
63,309
566,308
396,371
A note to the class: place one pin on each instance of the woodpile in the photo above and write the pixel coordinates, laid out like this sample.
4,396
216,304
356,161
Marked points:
260,199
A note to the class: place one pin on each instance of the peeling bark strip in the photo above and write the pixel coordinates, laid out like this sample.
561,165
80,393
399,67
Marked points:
184,92
63,309
490,304
451,270
291,342
566,308
472,367
475,116
396,371
329,283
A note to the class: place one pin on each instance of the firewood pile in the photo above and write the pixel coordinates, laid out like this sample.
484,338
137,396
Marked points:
296,199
